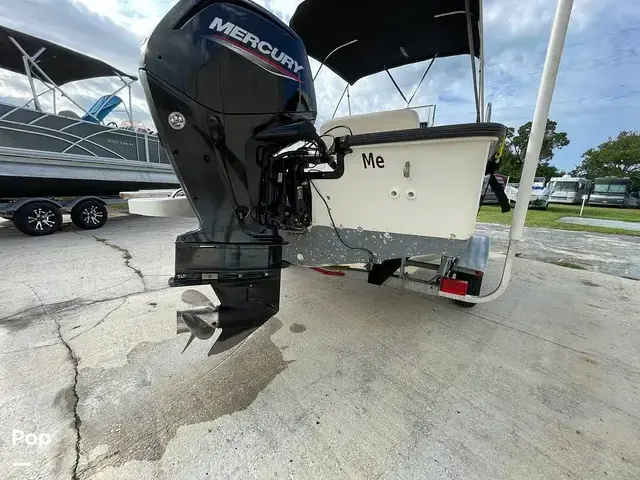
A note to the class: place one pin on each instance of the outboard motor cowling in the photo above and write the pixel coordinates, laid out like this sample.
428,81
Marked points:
229,86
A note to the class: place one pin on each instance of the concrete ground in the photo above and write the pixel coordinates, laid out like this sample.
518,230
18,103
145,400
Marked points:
613,254
349,380
602,222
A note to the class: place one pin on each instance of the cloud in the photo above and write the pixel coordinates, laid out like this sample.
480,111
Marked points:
596,95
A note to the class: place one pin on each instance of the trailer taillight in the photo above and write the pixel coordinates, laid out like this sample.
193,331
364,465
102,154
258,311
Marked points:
450,285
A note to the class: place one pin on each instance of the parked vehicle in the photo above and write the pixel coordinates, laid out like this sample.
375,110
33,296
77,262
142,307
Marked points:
55,162
568,189
489,197
614,192
540,193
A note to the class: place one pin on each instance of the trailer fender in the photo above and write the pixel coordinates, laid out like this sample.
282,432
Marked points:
72,203
14,206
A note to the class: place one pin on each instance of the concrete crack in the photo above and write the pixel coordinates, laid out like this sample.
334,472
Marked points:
77,423
60,307
126,255
393,448
74,361
104,317
76,302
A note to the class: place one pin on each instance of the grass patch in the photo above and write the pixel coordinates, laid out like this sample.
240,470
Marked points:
118,207
575,266
549,218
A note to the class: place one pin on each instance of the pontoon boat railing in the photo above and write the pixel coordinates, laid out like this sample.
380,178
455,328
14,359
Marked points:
30,63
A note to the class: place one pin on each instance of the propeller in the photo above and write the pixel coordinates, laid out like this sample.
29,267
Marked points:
198,327
192,320
201,321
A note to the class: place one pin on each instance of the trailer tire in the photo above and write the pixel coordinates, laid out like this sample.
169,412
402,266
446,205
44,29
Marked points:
89,214
475,284
38,218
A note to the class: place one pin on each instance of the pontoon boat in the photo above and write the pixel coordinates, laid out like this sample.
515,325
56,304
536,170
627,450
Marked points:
70,153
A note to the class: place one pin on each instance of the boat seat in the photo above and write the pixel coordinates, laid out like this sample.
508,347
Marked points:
403,119
103,107
69,114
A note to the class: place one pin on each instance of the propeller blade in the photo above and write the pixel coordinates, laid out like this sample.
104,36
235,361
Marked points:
191,337
194,297
197,326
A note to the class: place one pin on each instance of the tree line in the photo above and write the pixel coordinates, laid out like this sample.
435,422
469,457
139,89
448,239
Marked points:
617,157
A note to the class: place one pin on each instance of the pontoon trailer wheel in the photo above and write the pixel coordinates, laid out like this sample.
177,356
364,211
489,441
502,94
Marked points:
38,218
89,214
475,283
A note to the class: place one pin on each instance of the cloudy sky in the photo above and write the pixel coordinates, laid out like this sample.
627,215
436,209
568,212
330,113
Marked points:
597,95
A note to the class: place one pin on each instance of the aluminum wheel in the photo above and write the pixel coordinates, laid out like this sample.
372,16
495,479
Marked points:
91,215
38,218
42,219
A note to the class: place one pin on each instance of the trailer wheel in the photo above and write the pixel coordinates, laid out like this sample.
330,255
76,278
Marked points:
89,214
475,283
38,218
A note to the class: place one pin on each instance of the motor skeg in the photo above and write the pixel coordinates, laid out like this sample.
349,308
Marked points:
228,85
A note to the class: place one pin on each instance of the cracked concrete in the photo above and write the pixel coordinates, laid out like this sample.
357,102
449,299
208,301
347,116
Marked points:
348,381
77,422
126,255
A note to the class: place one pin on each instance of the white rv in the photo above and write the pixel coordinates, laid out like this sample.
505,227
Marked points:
568,189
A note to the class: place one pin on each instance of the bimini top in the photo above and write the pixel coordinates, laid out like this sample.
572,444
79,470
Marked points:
388,34
61,64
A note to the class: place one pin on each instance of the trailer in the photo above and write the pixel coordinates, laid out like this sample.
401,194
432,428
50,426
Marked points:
38,216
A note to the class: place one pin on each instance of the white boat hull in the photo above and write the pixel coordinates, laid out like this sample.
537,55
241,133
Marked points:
393,199
377,196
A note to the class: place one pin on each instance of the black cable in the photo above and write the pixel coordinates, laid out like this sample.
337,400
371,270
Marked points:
333,223
339,126
328,135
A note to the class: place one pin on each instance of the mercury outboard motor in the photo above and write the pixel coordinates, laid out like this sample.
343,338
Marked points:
229,86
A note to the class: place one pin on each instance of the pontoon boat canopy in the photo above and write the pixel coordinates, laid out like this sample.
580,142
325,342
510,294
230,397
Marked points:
61,64
389,34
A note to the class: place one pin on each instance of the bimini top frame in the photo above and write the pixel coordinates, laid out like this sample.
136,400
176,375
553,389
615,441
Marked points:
369,37
54,65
